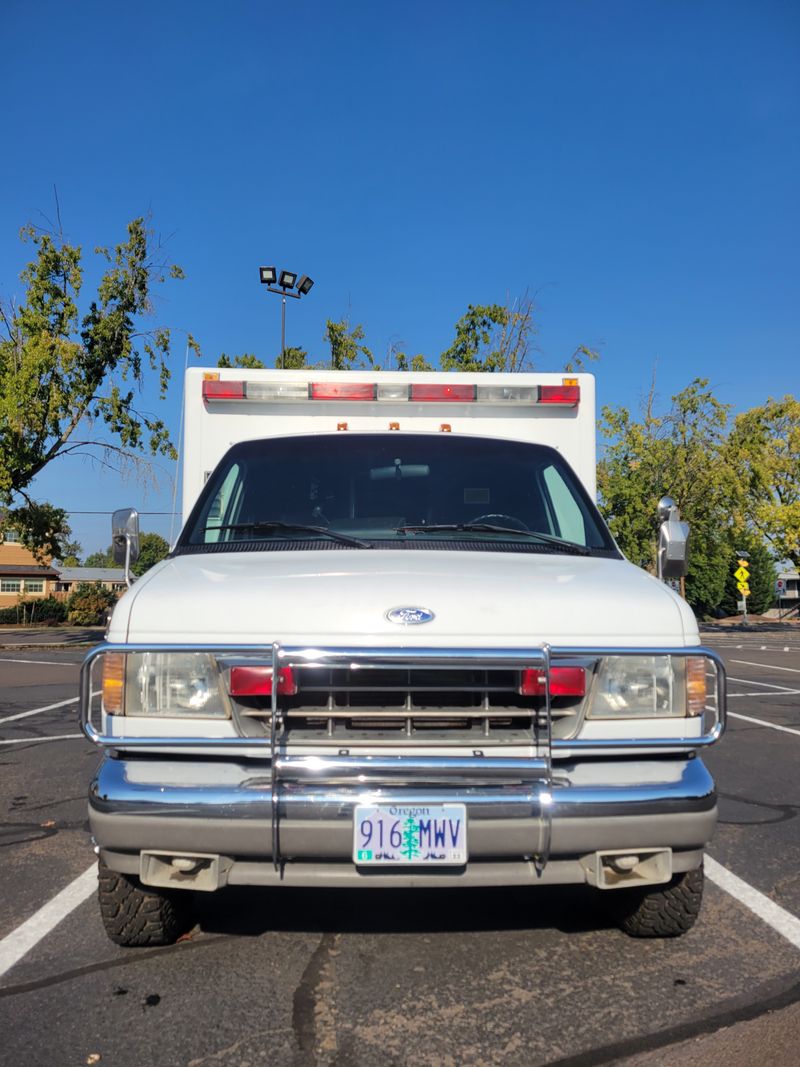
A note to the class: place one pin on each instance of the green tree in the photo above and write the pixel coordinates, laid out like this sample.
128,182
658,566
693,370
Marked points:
681,453
71,551
64,375
245,360
152,549
476,343
580,357
493,337
762,576
764,449
100,559
293,358
418,362
348,352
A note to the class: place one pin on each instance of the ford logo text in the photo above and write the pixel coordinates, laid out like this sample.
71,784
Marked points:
409,616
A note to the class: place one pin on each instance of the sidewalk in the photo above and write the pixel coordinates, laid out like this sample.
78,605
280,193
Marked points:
754,624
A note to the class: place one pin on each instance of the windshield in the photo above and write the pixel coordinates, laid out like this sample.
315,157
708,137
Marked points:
391,488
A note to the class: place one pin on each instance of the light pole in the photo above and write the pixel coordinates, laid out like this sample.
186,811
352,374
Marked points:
285,280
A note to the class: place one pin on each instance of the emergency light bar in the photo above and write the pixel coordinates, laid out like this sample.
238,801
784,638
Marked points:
568,394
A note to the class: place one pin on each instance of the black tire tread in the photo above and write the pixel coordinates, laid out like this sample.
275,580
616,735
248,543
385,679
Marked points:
136,915
661,911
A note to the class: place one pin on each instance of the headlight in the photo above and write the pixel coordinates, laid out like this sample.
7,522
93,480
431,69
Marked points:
638,687
163,684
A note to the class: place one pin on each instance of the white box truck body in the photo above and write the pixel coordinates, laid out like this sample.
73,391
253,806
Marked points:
395,645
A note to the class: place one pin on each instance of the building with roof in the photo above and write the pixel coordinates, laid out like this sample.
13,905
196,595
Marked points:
22,576
69,578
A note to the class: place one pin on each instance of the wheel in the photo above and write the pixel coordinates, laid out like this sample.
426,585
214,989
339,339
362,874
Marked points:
134,914
498,519
659,910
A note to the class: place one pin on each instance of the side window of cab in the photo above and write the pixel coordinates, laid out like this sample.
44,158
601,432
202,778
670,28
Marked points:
566,514
223,507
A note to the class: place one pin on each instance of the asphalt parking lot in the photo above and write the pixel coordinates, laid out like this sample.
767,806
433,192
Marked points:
386,977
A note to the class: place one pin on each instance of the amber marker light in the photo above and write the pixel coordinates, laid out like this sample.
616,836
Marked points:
114,683
695,685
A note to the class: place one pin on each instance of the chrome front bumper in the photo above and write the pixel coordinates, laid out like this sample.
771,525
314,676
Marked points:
289,818
225,808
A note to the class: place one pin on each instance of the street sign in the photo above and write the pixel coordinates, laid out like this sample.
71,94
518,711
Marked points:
742,576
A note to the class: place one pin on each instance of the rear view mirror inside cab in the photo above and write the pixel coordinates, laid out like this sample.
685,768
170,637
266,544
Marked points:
399,470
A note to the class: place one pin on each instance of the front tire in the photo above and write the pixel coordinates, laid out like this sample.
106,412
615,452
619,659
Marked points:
662,910
136,915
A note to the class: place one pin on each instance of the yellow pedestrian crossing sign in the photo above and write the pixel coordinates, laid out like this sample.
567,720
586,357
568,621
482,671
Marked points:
742,574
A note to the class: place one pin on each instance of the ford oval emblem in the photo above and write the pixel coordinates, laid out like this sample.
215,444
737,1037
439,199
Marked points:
409,616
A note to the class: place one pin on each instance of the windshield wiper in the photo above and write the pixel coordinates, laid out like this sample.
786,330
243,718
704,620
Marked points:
485,527
268,526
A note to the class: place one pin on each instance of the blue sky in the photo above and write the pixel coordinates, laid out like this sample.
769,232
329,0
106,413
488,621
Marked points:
635,163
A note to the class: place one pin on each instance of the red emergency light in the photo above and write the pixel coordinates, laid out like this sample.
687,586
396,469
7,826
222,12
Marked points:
257,682
456,393
224,390
564,682
343,391
569,395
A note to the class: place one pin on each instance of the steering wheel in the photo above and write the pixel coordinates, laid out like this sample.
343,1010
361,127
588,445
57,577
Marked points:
498,519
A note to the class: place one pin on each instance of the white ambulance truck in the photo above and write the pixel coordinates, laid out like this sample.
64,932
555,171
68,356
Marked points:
396,645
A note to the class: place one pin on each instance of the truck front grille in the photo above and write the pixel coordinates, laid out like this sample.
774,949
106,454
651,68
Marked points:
447,706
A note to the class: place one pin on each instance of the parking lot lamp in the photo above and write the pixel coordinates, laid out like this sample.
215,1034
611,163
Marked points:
285,280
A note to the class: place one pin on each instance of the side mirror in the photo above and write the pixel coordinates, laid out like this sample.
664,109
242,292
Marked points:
673,541
125,538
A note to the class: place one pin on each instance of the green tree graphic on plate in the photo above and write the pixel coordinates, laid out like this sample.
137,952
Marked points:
410,847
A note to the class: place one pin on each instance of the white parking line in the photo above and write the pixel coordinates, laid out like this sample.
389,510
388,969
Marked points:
755,648
786,924
26,936
783,693
762,722
20,941
766,666
764,685
30,740
38,711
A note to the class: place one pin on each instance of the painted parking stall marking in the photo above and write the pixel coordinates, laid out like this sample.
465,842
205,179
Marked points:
766,666
20,941
38,711
763,722
36,740
786,924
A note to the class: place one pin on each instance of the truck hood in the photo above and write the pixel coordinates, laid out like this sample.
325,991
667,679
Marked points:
335,597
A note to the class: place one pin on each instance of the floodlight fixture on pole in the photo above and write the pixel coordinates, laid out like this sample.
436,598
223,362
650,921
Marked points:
282,283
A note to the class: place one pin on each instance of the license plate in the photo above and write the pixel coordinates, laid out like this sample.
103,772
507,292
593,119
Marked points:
422,835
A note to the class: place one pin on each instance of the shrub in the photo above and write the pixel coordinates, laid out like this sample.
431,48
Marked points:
35,612
87,605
